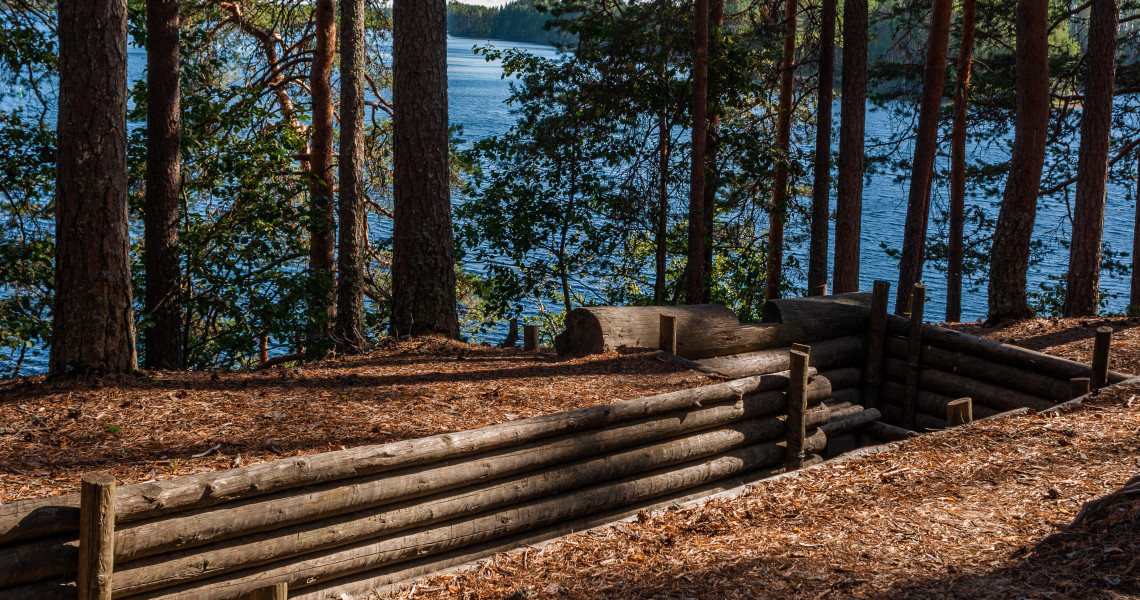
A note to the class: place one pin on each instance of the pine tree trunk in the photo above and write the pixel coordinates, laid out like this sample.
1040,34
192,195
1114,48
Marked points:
662,207
350,327
849,185
925,150
93,322
712,173
779,210
1083,290
958,164
695,282
821,187
423,264
163,340
1014,230
322,232
1134,292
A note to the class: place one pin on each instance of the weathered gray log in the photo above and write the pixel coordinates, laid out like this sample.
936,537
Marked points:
1022,380
1006,354
825,355
41,559
959,412
850,422
913,353
33,518
96,536
892,414
171,569
311,570
844,409
956,386
851,395
817,318
876,333
405,574
1101,347
797,408
930,403
668,338
708,329
886,432
844,377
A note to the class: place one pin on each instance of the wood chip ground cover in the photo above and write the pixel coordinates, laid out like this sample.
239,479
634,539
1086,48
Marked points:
957,514
174,423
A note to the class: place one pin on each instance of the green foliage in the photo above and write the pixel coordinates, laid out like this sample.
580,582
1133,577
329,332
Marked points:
517,21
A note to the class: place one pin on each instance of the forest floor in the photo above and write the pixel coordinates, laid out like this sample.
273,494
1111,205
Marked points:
168,424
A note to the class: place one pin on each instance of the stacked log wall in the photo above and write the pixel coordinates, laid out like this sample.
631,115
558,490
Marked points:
327,524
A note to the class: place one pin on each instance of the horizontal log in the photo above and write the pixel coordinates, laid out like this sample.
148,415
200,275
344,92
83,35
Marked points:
1014,356
323,567
851,395
850,422
957,386
841,444
166,570
959,363
33,518
928,402
40,559
402,575
816,318
825,355
702,329
844,377
892,414
846,409
886,432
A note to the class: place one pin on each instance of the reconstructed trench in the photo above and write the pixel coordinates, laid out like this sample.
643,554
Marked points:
818,377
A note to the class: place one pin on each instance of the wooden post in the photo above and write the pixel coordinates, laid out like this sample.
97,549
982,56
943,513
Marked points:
913,353
1079,386
279,591
959,412
806,349
1100,357
797,408
263,348
876,338
668,337
96,536
530,338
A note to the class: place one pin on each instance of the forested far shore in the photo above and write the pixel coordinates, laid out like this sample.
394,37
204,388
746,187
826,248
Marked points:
516,21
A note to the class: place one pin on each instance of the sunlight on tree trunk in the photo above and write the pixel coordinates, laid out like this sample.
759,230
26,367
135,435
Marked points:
852,119
958,164
322,234
821,187
350,253
779,210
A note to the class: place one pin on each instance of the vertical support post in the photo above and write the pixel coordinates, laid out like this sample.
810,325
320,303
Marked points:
913,354
96,536
1100,357
1079,386
960,412
876,340
530,338
668,334
797,409
278,591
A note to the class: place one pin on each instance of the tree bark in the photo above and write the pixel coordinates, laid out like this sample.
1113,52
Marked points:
958,164
350,327
849,187
695,282
163,340
712,133
925,150
1014,229
778,213
821,188
423,264
1134,292
93,321
1082,297
662,241
322,230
